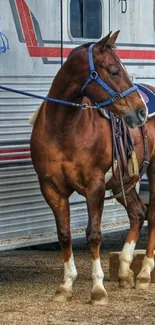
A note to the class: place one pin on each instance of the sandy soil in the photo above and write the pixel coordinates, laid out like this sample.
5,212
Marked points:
29,279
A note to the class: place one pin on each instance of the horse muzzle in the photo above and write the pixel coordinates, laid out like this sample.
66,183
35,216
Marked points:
136,118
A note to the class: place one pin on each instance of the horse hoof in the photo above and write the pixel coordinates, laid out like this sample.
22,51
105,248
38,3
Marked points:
127,282
99,296
62,295
143,284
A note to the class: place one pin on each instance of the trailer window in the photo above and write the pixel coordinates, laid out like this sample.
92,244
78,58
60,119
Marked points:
86,19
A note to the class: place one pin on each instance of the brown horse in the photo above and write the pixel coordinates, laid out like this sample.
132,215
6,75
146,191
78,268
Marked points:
71,151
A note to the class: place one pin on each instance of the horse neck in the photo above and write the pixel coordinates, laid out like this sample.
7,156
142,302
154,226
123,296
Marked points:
66,89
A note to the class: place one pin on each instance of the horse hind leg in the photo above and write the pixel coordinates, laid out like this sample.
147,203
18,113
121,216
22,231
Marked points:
95,199
144,276
60,208
136,212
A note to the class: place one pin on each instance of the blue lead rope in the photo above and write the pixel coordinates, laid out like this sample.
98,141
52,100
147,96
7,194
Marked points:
49,99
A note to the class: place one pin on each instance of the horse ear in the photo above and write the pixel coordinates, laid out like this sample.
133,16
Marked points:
107,40
102,43
113,38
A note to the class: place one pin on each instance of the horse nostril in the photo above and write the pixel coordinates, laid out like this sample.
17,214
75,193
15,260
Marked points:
128,120
141,114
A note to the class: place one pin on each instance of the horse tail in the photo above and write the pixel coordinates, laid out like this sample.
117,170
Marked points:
34,116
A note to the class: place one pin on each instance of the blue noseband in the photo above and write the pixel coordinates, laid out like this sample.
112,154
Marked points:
94,77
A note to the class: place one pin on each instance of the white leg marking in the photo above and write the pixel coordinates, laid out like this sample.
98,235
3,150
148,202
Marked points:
147,267
125,258
70,273
97,273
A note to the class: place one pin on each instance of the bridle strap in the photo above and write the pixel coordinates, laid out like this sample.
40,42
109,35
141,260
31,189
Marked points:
94,74
117,96
95,77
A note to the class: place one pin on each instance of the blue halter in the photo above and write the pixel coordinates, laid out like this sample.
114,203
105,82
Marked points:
94,77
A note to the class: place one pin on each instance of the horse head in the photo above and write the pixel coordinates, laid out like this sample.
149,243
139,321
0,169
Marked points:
104,79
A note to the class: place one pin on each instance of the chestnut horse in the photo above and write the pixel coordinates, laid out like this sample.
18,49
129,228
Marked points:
71,151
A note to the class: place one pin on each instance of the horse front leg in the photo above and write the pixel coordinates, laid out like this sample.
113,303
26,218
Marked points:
60,208
136,212
144,276
95,200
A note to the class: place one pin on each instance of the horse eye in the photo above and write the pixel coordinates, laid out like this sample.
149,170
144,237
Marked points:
114,73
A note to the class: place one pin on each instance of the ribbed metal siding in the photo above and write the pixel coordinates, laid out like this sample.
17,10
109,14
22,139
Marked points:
25,218
24,212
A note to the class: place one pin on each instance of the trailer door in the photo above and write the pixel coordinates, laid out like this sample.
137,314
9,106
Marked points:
134,19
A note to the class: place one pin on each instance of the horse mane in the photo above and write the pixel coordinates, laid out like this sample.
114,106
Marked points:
86,45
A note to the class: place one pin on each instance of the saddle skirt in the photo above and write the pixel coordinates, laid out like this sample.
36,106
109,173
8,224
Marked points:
149,99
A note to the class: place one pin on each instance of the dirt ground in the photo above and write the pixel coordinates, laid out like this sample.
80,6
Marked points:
29,279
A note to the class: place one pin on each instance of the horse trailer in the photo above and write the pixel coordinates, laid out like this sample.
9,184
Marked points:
35,39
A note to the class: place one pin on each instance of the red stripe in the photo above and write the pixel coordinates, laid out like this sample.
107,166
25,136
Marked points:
26,23
48,52
14,150
10,150
15,158
136,54
123,54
